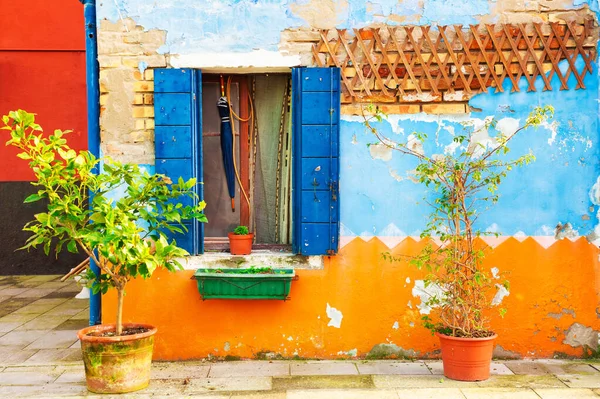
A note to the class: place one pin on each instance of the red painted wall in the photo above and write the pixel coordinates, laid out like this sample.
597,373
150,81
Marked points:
42,70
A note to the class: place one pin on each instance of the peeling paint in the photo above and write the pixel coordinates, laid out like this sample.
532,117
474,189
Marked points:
579,335
396,325
380,151
419,291
501,293
565,231
335,317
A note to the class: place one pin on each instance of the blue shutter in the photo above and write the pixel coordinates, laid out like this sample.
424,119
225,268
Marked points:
316,136
178,138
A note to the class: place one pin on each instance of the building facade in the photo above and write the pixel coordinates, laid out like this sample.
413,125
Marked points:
433,66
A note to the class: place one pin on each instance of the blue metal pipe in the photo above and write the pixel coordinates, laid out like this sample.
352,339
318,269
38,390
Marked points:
93,118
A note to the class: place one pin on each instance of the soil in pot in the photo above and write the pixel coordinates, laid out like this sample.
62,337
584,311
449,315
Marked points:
117,364
240,244
467,359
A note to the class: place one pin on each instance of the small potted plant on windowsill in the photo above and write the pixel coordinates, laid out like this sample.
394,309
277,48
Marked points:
124,235
240,241
460,184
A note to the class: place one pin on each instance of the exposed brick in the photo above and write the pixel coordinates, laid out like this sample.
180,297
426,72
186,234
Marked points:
391,109
150,124
138,75
153,61
139,124
143,112
149,99
109,61
446,108
138,99
149,74
103,99
143,86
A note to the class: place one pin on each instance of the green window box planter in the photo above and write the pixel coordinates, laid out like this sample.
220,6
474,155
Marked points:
231,284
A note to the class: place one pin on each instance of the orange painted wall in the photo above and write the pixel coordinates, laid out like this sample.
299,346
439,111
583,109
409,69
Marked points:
372,295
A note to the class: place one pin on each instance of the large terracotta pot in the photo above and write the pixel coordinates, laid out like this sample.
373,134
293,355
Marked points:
467,359
240,244
117,364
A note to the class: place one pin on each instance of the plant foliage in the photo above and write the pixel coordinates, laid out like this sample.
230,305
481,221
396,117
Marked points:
241,231
461,186
124,234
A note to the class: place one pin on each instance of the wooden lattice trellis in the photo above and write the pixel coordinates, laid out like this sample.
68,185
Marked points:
412,64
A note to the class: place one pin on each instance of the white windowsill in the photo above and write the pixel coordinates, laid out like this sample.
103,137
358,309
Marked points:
258,258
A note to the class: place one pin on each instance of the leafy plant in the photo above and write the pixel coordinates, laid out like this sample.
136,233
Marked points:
250,270
241,231
461,187
123,234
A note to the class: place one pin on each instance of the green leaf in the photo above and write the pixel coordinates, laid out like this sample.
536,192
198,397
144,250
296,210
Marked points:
33,198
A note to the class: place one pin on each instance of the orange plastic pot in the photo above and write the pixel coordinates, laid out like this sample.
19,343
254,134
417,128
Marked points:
240,244
467,359
117,364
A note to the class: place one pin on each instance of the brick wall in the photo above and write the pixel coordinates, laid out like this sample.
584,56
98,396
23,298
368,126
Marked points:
127,55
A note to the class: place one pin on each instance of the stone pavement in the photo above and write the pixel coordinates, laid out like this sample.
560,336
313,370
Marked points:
40,358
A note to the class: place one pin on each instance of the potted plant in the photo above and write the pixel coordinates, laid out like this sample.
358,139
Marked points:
123,234
240,241
460,185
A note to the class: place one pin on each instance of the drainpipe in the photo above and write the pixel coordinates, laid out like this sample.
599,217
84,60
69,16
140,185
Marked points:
93,118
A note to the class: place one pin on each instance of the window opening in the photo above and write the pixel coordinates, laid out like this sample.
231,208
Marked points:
263,158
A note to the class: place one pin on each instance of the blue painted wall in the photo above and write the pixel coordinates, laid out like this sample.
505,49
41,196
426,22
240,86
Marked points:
534,199
194,26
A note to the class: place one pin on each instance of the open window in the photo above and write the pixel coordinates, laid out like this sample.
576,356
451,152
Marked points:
286,146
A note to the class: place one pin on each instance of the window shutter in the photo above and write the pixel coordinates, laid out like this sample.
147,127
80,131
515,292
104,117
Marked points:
316,128
178,139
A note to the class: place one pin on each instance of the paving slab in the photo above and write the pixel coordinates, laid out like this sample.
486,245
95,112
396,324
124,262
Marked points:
256,395
390,368
32,369
35,293
499,393
20,317
8,327
21,338
578,380
430,393
13,291
249,369
522,381
179,371
26,378
17,356
73,324
220,384
82,315
54,356
342,394
44,278
323,368
53,285
526,367
556,366
322,382
417,381
564,393
40,306
43,322
71,377
55,340
12,304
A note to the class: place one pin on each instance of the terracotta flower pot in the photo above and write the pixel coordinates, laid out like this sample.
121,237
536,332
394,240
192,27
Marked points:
467,359
117,364
240,244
